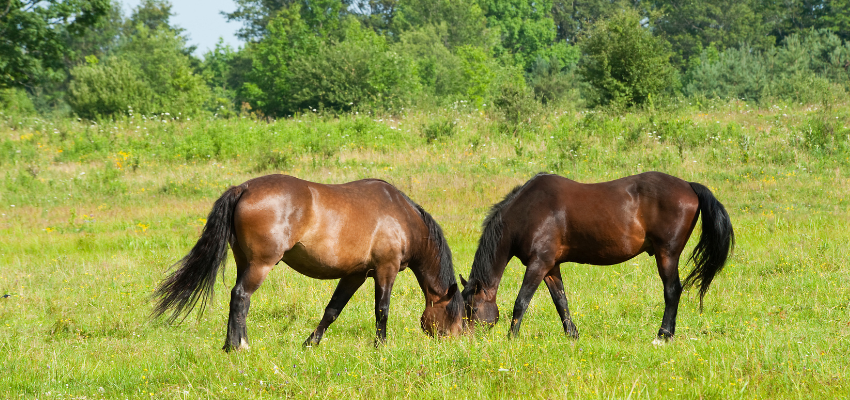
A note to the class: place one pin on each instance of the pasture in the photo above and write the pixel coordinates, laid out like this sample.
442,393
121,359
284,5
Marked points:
93,214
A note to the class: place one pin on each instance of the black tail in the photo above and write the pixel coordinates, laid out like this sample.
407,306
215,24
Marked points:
195,277
715,243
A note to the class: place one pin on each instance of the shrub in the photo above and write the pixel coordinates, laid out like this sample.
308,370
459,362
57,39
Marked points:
438,69
437,129
807,67
112,87
16,102
358,71
516,103
623,62
149,73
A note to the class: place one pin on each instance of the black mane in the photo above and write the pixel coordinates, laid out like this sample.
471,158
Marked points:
447,272
491,236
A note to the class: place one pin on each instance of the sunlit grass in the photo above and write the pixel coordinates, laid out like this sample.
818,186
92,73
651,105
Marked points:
93,229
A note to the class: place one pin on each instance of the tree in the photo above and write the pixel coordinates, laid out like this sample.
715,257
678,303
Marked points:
692,25
460,22
33,37
797,16
526,28
321,15
573,17
623,62
295,69
149,72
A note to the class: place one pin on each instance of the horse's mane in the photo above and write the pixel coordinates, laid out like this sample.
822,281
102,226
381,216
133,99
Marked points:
491,236
447,272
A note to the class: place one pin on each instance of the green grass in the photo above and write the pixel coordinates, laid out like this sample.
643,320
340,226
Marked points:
95,225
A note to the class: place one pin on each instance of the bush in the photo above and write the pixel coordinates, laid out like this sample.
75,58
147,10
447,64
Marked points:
109,88
359,71
516,103
438,69
439,128
16,102
805,68
623,62
150,74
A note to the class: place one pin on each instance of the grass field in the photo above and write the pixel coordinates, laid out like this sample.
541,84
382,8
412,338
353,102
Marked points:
92,215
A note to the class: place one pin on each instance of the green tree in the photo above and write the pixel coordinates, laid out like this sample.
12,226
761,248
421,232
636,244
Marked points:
33,37
322,16
439,70
527,28
109,88
225,71
459,22
797,16
296,69
692,25
150,69
573,17
623,62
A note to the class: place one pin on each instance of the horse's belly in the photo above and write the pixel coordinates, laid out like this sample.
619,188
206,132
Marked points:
322,265
605,253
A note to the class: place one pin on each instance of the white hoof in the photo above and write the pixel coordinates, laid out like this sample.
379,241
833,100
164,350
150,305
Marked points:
660,342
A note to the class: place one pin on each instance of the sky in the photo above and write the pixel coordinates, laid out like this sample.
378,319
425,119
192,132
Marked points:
202,21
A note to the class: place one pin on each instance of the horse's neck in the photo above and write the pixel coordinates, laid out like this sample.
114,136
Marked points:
489,276
428,275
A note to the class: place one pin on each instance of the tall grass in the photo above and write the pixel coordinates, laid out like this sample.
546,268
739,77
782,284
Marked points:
102,209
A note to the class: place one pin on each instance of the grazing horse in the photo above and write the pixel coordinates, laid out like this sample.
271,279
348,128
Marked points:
349,232
551,220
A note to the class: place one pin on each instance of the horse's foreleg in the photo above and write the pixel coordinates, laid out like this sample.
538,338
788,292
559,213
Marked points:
534,274
247,281
344,290
384,279
559,297
668,269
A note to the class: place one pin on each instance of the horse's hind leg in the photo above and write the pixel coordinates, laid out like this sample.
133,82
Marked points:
344,290
668,269
249,276
559,297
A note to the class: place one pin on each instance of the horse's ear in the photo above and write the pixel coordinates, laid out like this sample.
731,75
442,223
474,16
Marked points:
451,292
462,281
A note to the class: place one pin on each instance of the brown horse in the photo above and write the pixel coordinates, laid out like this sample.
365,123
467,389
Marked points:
551,220
349,232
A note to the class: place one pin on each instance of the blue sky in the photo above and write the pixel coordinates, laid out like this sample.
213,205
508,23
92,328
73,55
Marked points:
201,20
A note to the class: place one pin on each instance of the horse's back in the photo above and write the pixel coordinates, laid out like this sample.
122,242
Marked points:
324,231
601,223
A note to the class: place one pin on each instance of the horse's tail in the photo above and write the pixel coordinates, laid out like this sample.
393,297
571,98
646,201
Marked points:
195,278
715,243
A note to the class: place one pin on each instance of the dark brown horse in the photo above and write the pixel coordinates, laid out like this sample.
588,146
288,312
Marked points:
348,232
551,220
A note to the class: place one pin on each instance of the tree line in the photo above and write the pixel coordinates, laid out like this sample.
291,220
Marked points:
86,58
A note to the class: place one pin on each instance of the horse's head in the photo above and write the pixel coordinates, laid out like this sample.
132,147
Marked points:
443,317
479,304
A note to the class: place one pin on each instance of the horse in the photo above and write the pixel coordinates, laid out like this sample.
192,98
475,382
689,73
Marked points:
350,232
551,220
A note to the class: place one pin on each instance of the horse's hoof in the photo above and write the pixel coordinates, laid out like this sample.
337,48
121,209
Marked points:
312,340
661,341
243,345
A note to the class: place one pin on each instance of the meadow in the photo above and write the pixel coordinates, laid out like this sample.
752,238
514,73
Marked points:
92,214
